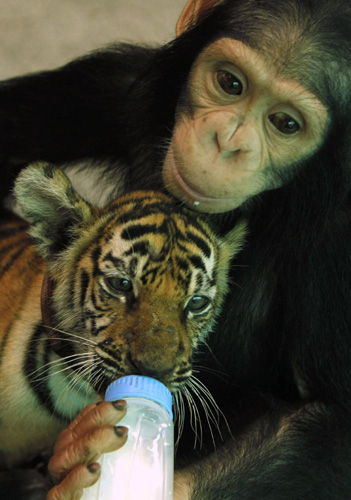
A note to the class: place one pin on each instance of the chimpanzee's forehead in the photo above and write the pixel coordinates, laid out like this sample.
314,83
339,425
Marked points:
262,70
308,42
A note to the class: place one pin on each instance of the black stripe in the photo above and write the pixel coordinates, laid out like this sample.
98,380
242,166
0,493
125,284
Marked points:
182,247
182,264
137,230
88,315
25,291
13,258
142,248
6,249
96,306
95,255
197,262
84,283
182,274
38,380
4,340
199,280
179,380
200,242
169,226
133,264
140,209
116,355
110,363
118,263
184,371
100,329
150,272
7,231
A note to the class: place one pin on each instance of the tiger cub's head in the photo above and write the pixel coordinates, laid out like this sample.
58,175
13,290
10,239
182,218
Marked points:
141,280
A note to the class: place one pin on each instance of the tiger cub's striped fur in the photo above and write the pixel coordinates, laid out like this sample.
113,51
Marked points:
131,288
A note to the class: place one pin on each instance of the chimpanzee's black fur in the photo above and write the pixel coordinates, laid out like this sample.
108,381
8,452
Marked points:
288,316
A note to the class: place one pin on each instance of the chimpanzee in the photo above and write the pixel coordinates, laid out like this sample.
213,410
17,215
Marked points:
247,112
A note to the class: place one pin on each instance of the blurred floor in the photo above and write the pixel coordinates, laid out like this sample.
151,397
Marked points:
43,34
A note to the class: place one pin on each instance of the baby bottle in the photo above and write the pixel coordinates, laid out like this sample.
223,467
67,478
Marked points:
143,467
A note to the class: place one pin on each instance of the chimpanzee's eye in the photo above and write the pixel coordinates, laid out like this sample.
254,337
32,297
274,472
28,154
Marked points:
229,82
284,123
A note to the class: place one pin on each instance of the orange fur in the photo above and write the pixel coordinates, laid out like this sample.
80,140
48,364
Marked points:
136,286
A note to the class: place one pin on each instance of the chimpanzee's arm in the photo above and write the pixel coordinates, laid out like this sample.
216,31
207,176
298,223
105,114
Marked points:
72,112
305,454
301,452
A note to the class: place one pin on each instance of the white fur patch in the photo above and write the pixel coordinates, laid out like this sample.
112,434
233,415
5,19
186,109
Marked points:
96,183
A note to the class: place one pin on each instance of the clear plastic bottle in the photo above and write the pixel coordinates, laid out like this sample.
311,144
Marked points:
143,467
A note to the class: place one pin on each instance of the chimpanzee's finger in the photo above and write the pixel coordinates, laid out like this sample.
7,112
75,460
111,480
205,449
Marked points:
94,415
71,488
86,449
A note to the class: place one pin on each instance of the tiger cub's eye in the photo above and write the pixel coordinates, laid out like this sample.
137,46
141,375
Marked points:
198,303
119,284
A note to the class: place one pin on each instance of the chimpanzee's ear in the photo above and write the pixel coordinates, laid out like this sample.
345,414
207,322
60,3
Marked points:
191,13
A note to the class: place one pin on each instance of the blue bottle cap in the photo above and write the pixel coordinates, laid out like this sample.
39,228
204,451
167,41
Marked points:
139,386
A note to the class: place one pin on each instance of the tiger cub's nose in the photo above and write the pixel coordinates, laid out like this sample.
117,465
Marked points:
149,369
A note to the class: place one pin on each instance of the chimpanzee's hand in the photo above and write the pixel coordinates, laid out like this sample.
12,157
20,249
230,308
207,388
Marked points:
78,447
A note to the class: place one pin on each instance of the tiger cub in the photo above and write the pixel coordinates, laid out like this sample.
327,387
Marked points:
97,294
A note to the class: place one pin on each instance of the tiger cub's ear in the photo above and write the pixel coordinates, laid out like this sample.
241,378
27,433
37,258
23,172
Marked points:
232,242
46,198
229,246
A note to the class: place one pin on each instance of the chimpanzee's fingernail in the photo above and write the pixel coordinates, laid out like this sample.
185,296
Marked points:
121,431
119,405
93,468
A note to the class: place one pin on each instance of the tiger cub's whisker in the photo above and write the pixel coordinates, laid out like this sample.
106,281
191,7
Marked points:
132,288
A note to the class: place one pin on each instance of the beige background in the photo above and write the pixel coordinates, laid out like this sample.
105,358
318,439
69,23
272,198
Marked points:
43,34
